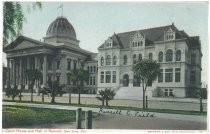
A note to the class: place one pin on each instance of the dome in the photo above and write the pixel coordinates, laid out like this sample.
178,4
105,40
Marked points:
61,28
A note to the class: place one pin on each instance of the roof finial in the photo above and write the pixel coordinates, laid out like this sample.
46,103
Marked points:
172,23
61,6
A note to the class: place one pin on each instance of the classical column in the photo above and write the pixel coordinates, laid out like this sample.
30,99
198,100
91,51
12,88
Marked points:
20,73
27,67
35,66
14,73
8,72
11,74
45,70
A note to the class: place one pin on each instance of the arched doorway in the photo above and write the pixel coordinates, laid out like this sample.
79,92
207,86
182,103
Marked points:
125,80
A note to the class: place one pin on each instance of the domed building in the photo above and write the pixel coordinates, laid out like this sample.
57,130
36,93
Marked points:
55,57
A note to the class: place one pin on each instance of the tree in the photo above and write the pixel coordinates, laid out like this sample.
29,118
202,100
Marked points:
147,70
12,92
44,91
33,75
106,95
78,76
13,19
54,89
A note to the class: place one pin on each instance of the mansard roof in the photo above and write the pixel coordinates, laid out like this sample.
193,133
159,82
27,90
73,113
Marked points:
151,35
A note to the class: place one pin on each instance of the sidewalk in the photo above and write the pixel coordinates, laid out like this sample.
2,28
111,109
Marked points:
128,113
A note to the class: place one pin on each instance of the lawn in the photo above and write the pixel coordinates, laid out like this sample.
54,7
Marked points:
13,116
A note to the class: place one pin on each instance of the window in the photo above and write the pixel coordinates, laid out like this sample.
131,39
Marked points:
114,77
149,83
160,76
193,58
108,76
68,80
168,75
114,60
125,59
94,80
134,59
88,68
136,81
140,57
50,65
75,65
102,61
49,78
125,80
141,43
178,55
160,56
91,80
91,69
58,64
150,56
171,92
166,92
192,77
102,77
108,60
88,81
169,55
69,65
138,43
58,79
94,69
177,74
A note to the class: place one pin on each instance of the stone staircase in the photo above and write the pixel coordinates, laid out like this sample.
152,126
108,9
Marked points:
130,93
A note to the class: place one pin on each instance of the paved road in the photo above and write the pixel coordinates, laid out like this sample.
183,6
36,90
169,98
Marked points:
163,103
126,119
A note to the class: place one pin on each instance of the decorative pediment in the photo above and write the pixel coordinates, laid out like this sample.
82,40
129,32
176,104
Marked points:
25,44
169,34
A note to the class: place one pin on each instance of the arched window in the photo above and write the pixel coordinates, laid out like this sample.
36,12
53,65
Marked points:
91,69
160,56
125,59
134,59
150,56
125,80
169,55
178,55
108,60
115,60
102,61
88,68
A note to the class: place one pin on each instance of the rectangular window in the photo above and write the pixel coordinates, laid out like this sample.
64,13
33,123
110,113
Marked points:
166,92
140,57
91,82
177,75
192,77
171,92
168,75
150,56
58,64
108,76
102,77
68,80
69,65
193,58
58,79
114,77
50,65
160,76
94,80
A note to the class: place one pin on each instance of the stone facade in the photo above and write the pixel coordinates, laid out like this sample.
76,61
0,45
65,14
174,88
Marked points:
178,54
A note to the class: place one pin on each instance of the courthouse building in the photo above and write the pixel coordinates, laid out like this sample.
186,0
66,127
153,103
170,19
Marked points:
55,57
59,53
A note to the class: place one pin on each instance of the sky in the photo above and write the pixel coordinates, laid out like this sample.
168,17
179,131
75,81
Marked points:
94,22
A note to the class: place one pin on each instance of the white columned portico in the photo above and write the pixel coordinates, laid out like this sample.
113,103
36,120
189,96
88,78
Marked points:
36,67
